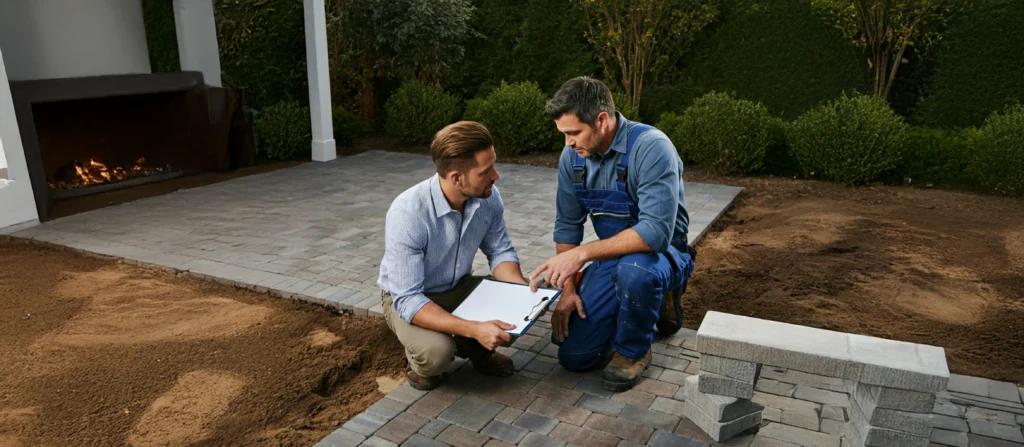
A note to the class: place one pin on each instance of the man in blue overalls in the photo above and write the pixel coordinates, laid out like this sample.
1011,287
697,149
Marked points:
627,177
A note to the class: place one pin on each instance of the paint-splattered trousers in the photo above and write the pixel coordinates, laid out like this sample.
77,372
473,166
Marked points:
622,300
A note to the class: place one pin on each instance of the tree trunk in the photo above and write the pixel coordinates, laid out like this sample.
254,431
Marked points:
367,92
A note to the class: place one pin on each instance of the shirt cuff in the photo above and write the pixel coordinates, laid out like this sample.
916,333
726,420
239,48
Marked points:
652,236
569,235
508,256
407,307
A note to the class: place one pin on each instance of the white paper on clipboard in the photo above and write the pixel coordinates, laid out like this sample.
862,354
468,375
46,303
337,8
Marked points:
512,303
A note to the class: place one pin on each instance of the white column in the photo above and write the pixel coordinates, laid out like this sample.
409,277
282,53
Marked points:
197,38
17,204
319,81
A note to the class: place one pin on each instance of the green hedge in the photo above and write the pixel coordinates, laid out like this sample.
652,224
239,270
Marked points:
283,131
852,140
776,52
416,111
727,135
514,114
161,36
979,66
623,106
263,49
997,152
935,157
672,125
347,126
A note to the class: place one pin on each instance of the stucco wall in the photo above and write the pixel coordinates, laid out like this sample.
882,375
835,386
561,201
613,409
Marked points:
44,39
17,204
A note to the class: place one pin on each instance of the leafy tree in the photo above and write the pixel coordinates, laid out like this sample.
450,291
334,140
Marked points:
420,39
885,28
635,37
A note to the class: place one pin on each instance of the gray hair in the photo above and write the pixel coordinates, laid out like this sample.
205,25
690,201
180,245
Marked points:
583,96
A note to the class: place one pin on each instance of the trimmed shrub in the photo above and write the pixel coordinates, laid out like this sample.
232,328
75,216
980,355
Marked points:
514,113
727,135
474,110
997,152
853,140
347,126
934,157
416,111
283,131
622,106
672,125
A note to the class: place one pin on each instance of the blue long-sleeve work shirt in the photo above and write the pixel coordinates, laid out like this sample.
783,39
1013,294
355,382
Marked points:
654,181
428,246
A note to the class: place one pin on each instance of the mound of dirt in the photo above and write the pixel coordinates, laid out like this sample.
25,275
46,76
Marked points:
926,266
101,353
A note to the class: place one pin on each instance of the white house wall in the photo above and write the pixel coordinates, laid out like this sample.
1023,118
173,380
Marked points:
45,39
17,204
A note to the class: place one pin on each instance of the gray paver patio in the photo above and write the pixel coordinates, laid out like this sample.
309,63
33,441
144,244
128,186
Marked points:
315,232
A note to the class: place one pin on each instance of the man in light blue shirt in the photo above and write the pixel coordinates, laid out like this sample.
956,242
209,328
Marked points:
432,232
627,177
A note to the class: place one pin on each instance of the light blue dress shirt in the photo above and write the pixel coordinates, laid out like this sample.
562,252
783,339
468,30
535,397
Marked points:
428,246
654,180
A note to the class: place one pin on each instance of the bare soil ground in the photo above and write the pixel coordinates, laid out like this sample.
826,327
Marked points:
97,352
936,267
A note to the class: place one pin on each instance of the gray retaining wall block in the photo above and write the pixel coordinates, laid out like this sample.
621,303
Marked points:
734,369
711,383
870,397
719,408
720,431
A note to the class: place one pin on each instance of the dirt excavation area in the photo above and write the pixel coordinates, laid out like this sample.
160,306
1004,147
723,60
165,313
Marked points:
98,353
935,267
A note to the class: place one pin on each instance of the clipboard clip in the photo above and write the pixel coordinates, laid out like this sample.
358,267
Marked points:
534,308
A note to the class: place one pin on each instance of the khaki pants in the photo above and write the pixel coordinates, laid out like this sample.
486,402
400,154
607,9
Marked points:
430,353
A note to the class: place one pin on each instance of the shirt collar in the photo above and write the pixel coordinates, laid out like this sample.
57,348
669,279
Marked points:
619,143
441,206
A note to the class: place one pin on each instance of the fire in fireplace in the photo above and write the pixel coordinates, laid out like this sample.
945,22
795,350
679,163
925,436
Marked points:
79,174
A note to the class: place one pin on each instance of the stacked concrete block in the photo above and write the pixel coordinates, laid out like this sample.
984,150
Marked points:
896,382
728,377
721,417
884,417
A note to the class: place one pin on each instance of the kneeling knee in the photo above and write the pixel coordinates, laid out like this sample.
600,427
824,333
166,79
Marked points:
578,362
433,359
635,269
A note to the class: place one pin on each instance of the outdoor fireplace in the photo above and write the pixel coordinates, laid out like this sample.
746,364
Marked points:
96,134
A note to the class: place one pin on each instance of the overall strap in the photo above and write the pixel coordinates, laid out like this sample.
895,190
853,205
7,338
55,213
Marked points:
623,166
579,172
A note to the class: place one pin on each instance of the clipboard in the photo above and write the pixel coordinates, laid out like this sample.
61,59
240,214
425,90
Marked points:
509,302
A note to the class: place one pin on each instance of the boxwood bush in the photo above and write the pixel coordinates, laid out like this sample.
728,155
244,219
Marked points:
347,126
672,125
935,157
853,139
514,113
726,135
416,111
997,152
283,131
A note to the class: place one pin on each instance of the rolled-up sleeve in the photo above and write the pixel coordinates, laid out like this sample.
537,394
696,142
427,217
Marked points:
657,190
404,244
497,246
569,212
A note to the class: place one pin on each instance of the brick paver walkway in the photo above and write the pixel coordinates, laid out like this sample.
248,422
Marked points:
315,232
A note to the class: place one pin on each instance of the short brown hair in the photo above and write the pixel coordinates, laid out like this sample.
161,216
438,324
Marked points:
456,144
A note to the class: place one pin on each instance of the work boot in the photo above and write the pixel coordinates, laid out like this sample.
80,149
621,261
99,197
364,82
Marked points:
623,372
670,320
422,383
488,362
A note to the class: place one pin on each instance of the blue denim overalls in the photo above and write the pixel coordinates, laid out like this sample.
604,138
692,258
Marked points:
621,297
